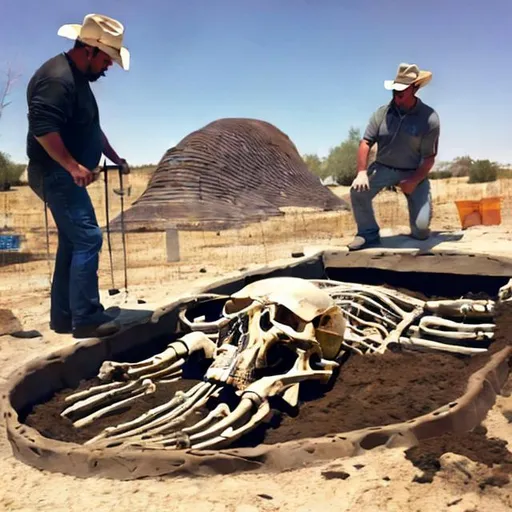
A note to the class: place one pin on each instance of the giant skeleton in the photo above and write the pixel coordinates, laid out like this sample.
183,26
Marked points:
272,335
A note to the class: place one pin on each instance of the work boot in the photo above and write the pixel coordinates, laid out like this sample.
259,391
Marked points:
96,330
360,242
61,329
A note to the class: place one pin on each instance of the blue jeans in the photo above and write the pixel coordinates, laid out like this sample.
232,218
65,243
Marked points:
74,292
419,202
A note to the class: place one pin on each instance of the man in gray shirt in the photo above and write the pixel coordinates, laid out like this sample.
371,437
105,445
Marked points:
406,132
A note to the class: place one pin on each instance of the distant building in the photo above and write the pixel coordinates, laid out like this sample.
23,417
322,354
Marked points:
329,181
24,176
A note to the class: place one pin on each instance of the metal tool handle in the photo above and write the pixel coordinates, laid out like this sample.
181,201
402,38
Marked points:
111,167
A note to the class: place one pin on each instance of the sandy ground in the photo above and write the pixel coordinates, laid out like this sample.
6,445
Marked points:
384,480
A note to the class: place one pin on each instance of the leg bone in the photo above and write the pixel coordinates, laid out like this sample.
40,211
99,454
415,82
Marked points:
182,347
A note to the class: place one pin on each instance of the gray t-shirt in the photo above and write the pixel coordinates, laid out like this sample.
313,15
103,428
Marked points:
404,139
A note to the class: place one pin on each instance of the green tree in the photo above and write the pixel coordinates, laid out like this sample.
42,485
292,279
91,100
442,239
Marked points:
483,171
440,175
342,160
10,172
460,166
315,164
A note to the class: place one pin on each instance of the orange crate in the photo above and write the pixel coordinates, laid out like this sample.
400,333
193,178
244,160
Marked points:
469,213
490,210
486,211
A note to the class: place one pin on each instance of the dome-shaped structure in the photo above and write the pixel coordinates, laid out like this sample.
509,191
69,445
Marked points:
229,173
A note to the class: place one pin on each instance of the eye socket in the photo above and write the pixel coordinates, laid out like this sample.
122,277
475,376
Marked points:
325,320
234,306
265,323
279,359
285,316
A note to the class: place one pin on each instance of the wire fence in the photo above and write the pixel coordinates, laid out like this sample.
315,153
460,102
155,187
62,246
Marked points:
29,268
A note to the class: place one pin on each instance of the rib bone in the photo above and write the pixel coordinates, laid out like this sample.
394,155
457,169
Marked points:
461,307
81,395
147,388
105,397
453,330
171,422
157,416
256,396
419,343
221,411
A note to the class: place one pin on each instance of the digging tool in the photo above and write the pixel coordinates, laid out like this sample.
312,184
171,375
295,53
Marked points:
121,191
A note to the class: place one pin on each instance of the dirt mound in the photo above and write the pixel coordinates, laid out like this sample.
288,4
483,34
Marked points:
228,173
377,390
8,322
474,445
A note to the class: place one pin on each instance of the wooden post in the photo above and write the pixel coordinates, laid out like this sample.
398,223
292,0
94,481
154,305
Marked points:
172,242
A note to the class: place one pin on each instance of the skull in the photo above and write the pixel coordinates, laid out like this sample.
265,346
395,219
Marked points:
271,323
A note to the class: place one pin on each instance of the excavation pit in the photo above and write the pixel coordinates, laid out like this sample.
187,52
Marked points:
393,399
368,392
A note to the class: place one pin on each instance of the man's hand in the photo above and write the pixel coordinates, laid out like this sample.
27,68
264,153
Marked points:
125,168
361,182
408,186
82,176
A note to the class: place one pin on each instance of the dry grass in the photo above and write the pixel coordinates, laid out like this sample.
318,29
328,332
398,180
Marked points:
21,212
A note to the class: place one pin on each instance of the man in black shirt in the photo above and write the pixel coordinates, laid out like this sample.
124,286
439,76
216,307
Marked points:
64,145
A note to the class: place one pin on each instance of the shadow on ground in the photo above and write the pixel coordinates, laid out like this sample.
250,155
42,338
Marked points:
407,242
128,317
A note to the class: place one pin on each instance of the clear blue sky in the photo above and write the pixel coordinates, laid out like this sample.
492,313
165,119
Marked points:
311,67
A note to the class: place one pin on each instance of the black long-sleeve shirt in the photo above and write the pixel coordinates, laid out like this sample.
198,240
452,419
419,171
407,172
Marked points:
60,99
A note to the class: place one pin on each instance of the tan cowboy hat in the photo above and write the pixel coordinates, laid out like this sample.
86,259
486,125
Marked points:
407,75
101,32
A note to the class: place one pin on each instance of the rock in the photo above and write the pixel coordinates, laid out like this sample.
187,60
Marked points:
8,322
457,468
27,334
497,479
329,475
457,465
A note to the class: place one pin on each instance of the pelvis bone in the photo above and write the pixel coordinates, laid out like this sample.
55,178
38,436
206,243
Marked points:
271,336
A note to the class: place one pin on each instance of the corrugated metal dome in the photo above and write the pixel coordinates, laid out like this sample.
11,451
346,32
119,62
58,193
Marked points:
231,172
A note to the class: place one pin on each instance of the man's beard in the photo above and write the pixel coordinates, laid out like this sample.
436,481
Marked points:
92,77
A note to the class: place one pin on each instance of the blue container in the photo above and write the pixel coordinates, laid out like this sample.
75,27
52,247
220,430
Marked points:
10,242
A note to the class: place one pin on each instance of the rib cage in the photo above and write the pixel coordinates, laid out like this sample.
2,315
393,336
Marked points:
229,173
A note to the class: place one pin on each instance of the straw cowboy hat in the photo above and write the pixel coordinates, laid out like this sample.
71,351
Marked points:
101,32
407,75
